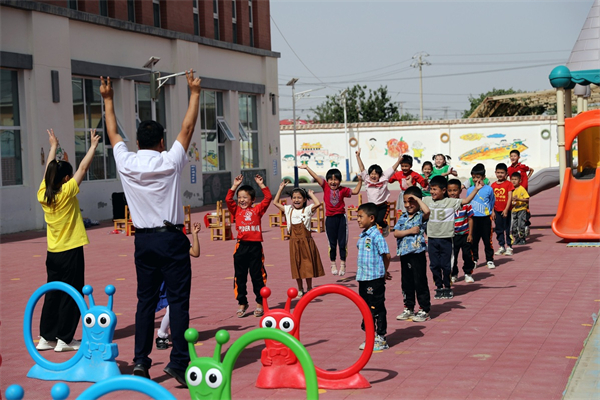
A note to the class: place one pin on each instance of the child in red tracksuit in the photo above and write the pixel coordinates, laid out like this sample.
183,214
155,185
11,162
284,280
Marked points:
248,255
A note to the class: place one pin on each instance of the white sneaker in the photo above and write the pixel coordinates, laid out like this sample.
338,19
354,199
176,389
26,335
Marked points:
509,251
62,346
491,265
500,251
362,345
43,344
469,278
453,278
386,231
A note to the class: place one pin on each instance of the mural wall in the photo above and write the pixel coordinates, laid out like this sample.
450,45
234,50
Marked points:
467,144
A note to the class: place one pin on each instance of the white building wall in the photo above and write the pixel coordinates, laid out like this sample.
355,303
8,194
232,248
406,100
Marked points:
490,141
54,41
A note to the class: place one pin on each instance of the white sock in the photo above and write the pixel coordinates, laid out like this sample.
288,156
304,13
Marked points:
163,331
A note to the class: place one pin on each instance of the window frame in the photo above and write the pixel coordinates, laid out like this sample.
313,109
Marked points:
156,13
131,11
216,19
252,143
16,128
196,16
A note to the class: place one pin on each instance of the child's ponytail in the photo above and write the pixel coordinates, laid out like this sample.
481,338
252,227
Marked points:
54,178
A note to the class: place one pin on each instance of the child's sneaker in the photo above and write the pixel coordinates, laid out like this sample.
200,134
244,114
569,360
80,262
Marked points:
500,251
438,294
449,294
386,231
162,344
453,278
43,344
333,268
342,271
62,346
491,265
509,251
421,316
380,343
406,314
469,278
362,345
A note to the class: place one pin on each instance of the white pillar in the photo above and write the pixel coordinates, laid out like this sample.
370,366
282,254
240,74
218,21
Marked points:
560,123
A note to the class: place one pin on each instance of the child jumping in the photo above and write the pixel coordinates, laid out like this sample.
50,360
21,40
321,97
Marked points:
503,192
410,236
377,189
372,272
248,256
305,259
441,167
406,177
440,231
483,208
520,200
336,223
463,229
162,340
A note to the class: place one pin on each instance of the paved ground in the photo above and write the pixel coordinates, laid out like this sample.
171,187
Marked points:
515,333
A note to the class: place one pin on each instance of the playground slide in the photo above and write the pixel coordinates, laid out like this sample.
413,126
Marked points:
545,179
578,215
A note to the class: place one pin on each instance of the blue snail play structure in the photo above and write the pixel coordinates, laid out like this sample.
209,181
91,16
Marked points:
95,359
61,391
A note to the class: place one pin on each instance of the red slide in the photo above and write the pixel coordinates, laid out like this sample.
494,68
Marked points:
578,214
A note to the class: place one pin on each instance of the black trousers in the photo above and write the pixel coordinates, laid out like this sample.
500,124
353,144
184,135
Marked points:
440,256
60,313
248,258
502,229
482,230
382,213
459,242
162,256
373,293
336,227
414,281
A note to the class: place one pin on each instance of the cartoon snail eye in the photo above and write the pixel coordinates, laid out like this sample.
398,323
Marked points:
104,320
194,376
214,378
269,322
286,324
89,320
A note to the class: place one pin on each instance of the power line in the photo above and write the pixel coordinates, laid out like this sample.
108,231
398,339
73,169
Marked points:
500,54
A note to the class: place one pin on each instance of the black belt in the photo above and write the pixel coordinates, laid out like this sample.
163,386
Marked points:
172,228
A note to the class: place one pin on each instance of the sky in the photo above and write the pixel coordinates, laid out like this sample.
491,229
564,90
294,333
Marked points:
332,45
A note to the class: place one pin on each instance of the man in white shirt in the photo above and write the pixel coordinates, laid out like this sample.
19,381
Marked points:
151,182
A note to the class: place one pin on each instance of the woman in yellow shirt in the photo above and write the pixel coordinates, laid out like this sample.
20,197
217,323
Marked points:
66,238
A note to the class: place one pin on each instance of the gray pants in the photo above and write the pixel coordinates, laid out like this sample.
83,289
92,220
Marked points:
518,221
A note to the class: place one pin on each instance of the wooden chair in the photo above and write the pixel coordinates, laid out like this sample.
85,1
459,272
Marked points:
275,219
129,228
187,220
213,218
318,220
352,211
392,217
222,228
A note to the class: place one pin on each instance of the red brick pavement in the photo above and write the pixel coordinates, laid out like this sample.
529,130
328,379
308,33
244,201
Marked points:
514,333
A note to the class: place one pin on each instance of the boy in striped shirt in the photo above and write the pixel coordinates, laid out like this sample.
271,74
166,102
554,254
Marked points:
463,226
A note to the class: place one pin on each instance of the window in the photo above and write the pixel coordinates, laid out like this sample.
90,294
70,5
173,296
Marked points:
251,24
130,11
234,21
212,138
72,4
216,19
156,9
196,18
88,114
10,129
144,106
249,121
104,8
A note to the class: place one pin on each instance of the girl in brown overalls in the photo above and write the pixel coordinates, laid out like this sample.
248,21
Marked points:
305,260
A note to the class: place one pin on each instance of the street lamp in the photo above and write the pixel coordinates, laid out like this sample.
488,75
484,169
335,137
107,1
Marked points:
418,63
292,83
152,61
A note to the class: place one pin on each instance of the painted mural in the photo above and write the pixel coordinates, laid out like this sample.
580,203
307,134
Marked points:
496,152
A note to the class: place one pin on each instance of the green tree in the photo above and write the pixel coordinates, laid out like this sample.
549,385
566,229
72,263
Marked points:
361,106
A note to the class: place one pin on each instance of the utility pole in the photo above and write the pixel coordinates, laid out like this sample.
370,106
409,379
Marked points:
343,94
418,63
292,83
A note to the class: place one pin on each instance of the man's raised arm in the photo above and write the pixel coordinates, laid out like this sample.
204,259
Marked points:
106,91
189,121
